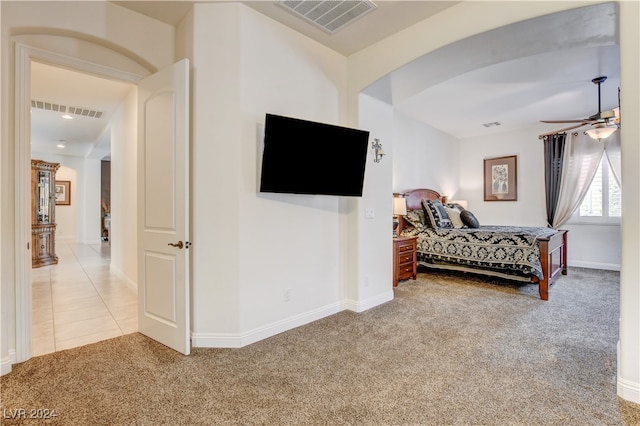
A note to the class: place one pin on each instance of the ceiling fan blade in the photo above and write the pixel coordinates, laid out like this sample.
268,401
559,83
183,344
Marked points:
570,128
584,120
602,117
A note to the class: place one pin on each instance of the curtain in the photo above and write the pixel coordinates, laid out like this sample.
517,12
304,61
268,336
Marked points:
612,148
553,152
581,158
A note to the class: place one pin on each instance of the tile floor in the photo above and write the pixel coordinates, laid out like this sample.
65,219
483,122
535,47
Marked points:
79,300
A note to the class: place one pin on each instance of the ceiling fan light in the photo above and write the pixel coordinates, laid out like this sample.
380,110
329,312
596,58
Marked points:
601,131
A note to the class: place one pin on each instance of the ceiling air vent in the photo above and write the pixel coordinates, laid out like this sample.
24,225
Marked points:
492,124
329,15
50,106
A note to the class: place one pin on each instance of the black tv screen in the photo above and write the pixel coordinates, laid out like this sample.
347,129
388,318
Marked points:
305,157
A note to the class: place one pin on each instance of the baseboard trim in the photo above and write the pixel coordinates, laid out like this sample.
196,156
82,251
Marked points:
7,362
628,390
593,265
361,306
232,340
91,242
123,277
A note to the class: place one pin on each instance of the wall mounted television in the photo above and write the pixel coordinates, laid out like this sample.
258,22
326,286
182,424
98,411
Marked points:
306,157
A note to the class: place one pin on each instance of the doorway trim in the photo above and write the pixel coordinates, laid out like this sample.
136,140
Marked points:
24,55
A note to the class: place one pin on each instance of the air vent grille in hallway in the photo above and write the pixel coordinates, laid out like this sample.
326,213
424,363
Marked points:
50,106
330,15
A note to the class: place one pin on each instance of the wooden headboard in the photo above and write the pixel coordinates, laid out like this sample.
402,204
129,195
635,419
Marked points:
414,199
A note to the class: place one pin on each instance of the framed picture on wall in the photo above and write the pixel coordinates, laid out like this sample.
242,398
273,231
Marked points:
63,193
501,178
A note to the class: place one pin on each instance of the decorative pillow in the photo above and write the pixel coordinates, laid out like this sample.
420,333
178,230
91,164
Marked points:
469,219
415,218
454,217
435,214
455,206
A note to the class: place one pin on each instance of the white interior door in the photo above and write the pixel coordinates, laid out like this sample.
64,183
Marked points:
163,207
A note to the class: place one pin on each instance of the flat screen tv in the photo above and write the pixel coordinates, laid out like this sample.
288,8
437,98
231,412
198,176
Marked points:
305,157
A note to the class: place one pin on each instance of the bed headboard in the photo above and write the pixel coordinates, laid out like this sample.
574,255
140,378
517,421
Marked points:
414,197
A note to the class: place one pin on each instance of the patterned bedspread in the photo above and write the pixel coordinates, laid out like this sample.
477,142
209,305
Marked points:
505,250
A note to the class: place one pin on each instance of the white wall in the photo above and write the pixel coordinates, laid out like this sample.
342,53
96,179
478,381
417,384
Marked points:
124,211
594,246
214,138
249,247
276,78
371,282
529,209
424,157
67,216
88,193
417,156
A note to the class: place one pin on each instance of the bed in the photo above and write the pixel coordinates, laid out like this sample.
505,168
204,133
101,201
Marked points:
527,254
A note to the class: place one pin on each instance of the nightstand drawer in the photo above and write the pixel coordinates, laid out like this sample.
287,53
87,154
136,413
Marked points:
404,258
405,272
406,247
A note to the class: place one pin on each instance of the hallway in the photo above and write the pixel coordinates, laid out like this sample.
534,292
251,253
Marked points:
80,301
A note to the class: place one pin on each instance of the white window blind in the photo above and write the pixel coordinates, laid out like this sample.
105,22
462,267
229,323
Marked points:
602,203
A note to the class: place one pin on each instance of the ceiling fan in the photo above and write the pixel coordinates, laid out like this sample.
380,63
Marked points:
604,123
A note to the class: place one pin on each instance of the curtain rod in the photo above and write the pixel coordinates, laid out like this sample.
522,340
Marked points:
557,132
545,135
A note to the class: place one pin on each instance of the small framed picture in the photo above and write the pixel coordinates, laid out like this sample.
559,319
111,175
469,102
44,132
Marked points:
63,193
501,178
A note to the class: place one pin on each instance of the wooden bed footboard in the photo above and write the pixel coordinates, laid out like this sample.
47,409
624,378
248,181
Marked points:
553,257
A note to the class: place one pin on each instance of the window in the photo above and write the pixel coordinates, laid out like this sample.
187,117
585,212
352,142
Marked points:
602,203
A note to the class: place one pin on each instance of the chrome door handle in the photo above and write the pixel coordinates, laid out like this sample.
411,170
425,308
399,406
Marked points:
178,244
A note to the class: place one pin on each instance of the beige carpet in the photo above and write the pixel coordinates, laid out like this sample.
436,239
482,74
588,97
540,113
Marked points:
449,350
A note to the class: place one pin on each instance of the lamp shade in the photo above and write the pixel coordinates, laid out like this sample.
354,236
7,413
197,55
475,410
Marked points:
601,131
399,206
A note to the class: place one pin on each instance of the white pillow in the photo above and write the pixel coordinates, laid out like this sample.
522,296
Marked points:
454,217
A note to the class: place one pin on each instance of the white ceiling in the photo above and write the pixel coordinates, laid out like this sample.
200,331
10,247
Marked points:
388,18
516,75
81,135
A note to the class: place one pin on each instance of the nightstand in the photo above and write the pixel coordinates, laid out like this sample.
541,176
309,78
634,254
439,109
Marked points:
404,259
